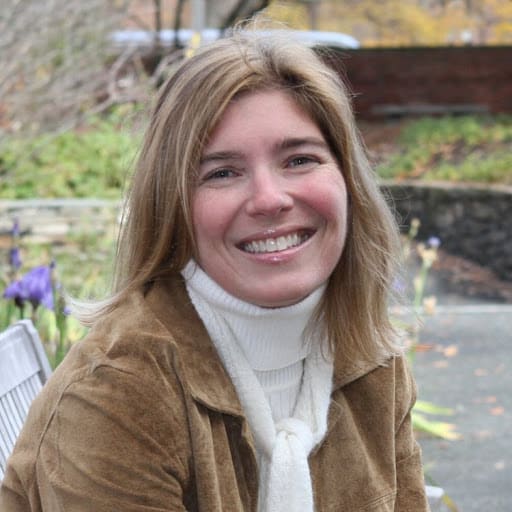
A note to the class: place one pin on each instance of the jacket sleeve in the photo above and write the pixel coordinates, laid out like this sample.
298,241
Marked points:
111,444
409,470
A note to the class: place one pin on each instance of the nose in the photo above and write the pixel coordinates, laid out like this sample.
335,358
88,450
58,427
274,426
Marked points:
268,195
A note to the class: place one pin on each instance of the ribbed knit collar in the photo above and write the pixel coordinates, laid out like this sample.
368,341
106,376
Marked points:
271,338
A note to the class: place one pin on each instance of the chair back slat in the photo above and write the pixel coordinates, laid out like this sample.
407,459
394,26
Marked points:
24,369
24,393
4,448
9,409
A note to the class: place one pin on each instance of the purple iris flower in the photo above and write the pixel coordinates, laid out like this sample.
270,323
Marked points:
17,292
35,287
434,242
38,283
15,258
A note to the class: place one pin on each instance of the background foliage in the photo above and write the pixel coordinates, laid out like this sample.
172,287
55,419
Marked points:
95,159
90,161
403,22
461,149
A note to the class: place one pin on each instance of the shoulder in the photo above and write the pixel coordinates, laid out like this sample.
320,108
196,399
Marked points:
395,376
128,362
387,388
107,435
134,339
118,396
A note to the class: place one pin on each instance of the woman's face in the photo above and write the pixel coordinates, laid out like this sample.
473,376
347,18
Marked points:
270,205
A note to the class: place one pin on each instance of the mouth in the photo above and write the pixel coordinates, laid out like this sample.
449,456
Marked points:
280,243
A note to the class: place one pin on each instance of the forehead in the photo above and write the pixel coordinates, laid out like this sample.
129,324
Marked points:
266,114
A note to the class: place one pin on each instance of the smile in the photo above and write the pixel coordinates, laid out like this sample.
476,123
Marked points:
281,243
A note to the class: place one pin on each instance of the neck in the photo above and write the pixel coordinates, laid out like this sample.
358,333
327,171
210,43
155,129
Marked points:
271,339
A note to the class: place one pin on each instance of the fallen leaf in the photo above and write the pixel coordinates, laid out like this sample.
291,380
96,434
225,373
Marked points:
485,399
423,347
451,350
440,364
481,372
497,411
429,305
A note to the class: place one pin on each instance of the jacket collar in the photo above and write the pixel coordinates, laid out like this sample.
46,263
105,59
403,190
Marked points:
346,371
207,379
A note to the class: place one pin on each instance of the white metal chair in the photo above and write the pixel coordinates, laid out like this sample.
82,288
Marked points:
24,369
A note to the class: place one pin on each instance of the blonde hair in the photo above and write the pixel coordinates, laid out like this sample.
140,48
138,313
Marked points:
157,237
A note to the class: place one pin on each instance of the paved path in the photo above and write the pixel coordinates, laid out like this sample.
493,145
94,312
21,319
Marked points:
468,367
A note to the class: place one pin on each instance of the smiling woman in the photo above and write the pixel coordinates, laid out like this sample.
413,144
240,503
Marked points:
245,360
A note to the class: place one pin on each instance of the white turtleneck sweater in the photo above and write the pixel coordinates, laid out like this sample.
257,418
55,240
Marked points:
283,382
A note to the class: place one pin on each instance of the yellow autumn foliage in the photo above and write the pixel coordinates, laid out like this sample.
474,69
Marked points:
404,22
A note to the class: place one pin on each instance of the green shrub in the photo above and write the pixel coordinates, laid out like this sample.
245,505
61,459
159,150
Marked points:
88,162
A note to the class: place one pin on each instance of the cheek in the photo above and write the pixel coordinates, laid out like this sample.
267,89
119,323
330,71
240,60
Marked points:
210,218
329,199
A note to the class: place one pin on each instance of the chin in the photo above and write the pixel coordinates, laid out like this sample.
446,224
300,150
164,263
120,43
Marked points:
277,301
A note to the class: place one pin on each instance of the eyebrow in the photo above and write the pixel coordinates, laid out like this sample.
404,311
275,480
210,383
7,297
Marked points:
220,155
295,142
289,143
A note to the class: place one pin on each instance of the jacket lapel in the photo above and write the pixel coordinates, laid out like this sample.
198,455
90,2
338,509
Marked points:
205,375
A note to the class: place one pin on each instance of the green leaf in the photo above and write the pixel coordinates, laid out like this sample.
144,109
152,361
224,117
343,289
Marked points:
430,408
439,429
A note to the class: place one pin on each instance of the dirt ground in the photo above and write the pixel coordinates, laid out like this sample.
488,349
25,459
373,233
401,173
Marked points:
466,278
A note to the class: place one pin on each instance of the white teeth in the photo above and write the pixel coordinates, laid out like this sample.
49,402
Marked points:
275,244
271,245
281,243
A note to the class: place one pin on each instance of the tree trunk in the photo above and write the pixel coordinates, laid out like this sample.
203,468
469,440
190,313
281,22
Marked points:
224,14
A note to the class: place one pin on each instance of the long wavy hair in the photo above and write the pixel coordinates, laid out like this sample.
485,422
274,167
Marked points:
157,235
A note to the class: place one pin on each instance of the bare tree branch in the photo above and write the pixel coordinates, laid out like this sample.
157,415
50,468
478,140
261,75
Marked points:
244,9
53,58
177,21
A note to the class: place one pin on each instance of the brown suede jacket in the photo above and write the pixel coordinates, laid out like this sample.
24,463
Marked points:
141,416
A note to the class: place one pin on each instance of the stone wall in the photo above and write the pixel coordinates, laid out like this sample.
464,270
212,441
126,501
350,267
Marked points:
474,222
53,220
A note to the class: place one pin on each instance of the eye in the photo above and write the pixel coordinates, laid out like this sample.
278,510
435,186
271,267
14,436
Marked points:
219,174
302,160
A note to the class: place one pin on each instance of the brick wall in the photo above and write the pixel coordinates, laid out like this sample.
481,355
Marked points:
403,81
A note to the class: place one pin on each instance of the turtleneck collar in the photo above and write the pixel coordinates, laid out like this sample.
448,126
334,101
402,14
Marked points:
271,338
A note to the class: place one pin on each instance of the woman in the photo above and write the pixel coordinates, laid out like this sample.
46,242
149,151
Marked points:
246,361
